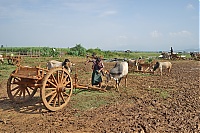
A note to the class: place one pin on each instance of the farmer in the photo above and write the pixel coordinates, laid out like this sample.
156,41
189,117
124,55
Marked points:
97,70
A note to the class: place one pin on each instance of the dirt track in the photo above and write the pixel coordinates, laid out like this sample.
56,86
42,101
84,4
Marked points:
149,104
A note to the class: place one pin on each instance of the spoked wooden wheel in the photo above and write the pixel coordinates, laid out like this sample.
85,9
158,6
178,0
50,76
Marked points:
18,91
56,89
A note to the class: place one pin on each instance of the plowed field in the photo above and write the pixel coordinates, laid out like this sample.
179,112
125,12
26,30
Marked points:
149,104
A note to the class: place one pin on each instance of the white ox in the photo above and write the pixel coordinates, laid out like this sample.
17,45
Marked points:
160,65
66,63
119,71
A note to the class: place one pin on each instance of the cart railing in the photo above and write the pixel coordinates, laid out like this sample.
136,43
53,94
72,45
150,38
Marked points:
29,72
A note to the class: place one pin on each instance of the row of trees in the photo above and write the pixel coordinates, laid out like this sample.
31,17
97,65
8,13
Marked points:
77,50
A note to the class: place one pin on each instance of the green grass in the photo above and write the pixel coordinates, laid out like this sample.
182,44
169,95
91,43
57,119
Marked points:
5,71
164,94
140,74
84,99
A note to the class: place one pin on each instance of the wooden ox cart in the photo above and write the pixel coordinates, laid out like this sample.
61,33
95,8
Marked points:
55,86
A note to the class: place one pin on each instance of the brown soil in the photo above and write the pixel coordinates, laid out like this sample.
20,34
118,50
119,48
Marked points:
149,104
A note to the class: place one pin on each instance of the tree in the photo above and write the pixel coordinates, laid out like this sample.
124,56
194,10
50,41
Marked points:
95,51
78,50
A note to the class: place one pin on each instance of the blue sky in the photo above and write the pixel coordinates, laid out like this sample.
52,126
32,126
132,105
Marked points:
143,25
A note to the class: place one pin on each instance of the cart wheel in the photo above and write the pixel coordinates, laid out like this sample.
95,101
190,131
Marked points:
56,89
19,92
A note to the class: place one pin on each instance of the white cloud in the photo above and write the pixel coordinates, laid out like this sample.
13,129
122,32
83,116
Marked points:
182,33
190,7
80,6
107,13
121,40
123,37
155,34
